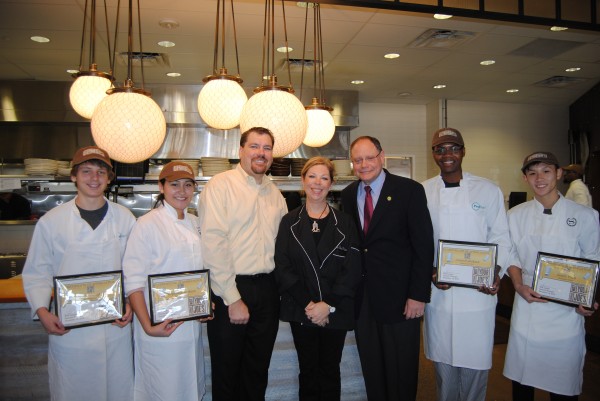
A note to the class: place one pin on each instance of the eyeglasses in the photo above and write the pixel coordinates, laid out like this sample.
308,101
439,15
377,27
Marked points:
368,159
441,150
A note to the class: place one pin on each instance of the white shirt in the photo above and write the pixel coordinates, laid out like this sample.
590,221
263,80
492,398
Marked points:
578,192
239,220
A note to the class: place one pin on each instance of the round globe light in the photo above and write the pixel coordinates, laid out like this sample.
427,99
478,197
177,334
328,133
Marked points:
87,92
321,127
129,125
220,103
282,113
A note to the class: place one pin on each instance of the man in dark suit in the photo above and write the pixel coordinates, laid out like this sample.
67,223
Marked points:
397,247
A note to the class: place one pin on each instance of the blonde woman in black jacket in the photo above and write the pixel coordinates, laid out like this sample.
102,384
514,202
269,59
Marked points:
318,268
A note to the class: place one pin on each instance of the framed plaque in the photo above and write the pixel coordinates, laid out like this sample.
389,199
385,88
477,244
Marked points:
179,296
466,264
570,281
89,299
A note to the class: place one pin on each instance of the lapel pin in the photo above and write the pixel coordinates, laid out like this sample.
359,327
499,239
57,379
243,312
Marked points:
389,198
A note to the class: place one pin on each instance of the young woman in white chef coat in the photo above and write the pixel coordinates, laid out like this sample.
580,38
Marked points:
85,235
169,357
546,346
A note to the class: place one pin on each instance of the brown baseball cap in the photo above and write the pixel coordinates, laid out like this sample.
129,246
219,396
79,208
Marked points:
447,135
91,153
174,171
539,157
578,168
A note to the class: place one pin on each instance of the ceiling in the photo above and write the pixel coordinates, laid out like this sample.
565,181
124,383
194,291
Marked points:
354,42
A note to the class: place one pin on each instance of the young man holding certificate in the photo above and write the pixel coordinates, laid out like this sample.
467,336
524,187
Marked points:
546,346
460,319
86,235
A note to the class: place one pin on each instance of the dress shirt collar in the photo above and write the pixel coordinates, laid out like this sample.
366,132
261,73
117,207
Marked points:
376,185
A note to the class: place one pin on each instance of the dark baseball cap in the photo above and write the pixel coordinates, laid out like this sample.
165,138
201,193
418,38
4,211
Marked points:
540,157
447,135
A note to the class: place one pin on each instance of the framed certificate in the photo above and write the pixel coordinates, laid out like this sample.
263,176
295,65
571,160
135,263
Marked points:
89,299
466,264
570,281
179,296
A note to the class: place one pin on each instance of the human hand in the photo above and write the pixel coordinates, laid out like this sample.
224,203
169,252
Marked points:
126,318
585,312
238,312
210,317
413,309
528,294
493,290
318,313
164,329
443,287
51,322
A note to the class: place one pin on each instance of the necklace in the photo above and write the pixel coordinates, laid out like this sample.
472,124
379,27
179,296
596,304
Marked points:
315,225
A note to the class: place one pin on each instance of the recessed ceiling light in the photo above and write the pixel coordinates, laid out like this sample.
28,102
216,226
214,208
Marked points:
441,16
357,82
71,72
40,39
284,49
168,23
512,90
303,4
487,62
391,55
166,43
404,94
440,86
558,28
173,74
573,69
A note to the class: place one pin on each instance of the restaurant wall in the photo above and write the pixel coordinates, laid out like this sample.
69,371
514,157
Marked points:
498,135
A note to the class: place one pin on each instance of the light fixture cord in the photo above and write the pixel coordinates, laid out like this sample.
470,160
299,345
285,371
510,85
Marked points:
83,35
237,59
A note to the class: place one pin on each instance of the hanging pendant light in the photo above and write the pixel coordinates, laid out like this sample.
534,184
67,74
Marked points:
128,123
274,106
222,98
90,85
321,126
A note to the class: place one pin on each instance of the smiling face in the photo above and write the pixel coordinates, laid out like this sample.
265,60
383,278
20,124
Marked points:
256,155
367,160
448,157
178,194
316,183
91,180
542,179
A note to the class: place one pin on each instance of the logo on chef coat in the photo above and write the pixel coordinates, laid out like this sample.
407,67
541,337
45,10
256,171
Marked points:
477,206
571,221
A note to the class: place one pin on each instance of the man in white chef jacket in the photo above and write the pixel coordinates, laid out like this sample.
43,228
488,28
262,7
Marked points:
578,192
459,321
85,235
546,345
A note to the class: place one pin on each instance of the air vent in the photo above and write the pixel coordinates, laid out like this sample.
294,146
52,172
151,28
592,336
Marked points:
559,81
296,65
150,59
441,38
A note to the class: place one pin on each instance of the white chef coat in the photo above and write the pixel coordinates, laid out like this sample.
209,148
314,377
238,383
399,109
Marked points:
166,368
579,192
459,322
546,345
87,363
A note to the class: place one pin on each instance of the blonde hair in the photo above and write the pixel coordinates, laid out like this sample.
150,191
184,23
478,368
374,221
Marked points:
316,161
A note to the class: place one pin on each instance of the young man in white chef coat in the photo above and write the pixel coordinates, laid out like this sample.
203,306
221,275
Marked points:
546,346
459,321
85,235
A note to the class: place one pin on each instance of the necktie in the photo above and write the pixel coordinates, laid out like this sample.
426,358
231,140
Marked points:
368,209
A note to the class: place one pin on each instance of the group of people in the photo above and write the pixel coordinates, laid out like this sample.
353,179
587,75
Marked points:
370,268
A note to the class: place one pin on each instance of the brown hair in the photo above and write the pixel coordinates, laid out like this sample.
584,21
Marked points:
316,161
258,130
97,163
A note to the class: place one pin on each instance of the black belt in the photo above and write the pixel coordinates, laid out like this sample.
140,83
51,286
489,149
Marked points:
258,276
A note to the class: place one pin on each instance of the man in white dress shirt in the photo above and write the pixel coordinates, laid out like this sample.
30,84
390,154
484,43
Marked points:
578,191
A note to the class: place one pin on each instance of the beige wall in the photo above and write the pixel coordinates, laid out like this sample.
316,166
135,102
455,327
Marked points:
497,135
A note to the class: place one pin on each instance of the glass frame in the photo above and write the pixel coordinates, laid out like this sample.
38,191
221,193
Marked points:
456,271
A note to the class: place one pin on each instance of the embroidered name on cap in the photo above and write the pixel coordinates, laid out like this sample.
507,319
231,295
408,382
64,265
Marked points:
537,156
446,133
182,168
95,151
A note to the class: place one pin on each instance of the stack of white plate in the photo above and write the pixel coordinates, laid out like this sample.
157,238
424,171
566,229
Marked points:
194,164
214,165
40,167
342,167
63,168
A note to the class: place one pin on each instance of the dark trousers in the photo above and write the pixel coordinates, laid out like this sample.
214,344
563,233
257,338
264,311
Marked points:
521,392
319,356
389,356
240,354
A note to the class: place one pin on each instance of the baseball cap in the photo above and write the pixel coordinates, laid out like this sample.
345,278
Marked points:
539,157
174,171
447,135
578,168
91,153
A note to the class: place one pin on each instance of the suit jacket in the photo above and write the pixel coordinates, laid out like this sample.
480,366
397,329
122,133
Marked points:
329,271
397,250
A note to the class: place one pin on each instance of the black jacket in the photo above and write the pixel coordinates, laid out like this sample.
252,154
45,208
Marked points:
398,248
329,272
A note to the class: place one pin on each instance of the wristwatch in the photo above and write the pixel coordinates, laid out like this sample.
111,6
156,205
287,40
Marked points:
331,308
